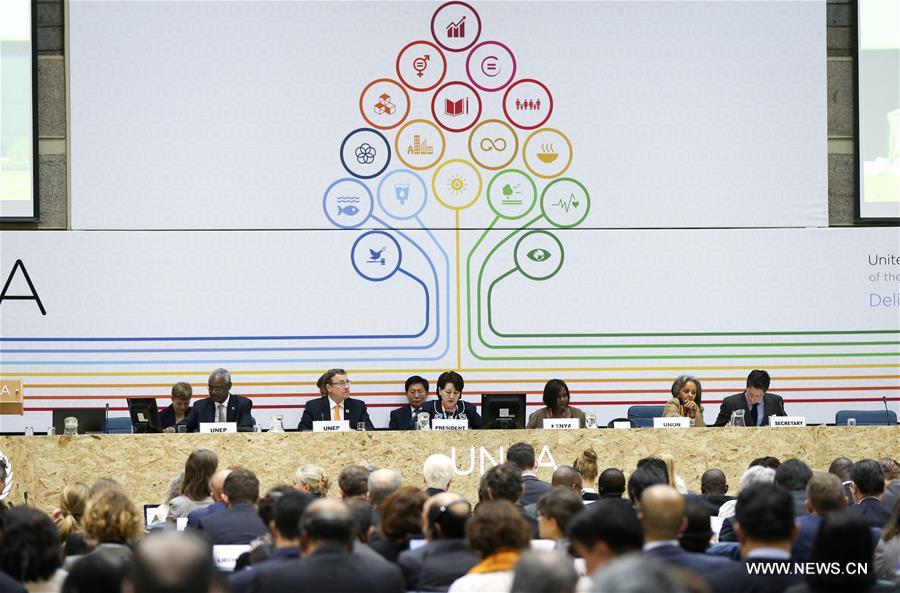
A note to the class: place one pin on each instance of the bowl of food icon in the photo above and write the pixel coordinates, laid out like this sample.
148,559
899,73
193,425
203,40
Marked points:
547,154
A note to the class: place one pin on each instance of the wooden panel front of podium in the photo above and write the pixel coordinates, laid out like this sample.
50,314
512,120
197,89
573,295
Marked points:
145,463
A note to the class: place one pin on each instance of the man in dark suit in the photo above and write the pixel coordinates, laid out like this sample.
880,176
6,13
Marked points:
868,489
504,482
713,488
327,565
757,403
404,417
523,457
446,557
221,405
335,403
238,523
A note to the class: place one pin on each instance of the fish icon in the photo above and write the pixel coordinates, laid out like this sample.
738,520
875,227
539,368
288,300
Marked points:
350,210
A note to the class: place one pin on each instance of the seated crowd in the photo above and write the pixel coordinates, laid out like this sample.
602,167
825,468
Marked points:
789,528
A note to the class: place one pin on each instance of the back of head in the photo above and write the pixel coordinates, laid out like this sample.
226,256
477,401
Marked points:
313,476
611,483
644,477
566,477
173,562
759,380
767,461
96,573
610,520
792,475
265,508
328,521
497,525
401,514
586,465
241,486
354,481
846,539
502,482
825,493
662,512
522,456
868,477
544,572
289,508
757,474
891,469
199,468
103,484
361,511
841,468
111,517
657,462
438,471
29,548
698,531
765,513
560,504
72,503
383,483
713,482
634,573
446,515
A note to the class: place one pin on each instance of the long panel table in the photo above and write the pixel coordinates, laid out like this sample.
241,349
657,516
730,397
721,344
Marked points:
144,463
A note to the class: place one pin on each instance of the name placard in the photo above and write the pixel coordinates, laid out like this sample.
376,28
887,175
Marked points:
674,422
787,421
561,423
180,523
226,557
449,424
622,424
218,427
331,426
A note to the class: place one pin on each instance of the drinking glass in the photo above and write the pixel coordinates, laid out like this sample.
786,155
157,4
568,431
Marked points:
423,421
851,421
590,420
71,426
277,424
737,418
361,426
182,428
51,431
29,431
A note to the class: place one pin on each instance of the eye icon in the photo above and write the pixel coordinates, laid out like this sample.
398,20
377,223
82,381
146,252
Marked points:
538,255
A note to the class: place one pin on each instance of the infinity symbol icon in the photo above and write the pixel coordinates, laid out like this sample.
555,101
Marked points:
488,144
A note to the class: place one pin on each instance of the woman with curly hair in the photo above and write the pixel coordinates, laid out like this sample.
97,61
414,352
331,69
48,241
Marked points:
195,489
401,521
312,479
110,522
30,552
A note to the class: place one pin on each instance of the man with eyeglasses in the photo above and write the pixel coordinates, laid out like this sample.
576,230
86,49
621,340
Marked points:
404,417
221,405
335,403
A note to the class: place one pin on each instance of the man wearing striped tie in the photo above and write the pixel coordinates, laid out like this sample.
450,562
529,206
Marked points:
335,403
221,405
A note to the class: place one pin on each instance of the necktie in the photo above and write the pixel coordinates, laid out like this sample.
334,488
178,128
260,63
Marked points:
336,413
221,417
754,414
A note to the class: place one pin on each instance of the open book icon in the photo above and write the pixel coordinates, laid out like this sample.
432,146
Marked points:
458,107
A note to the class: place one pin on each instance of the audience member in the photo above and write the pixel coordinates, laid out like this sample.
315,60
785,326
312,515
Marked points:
675,480
285,529
567,477
362,512
713,490
685,402
311,479
497,533
401,521
30,552
611,483
758,405
216,486
522,456
102,485
556,405
112,521
605,530
157,518
841,468
327,532
195,489
554,512
642,478
867,488
221,405
68,518
504,482
446,556
544,572
824,494
335,403
353,482
586,465
766,461
179,409
755,474
891,471
238,523
438,471
263,546
887,552
793,475
406,417
698,530
450,404
634,573
383,483
96,573
173,562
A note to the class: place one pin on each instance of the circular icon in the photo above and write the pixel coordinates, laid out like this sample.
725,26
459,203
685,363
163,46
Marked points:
420,144
493,144
456,106
455,26
375,255
347,203
7,486
384,104
539,255
456,184
565,202
527,104
511,194
402,194
421,65
547,153
365,153
491,66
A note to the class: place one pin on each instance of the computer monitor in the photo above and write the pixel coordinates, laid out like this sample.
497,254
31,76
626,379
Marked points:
503,410
144,414
90,420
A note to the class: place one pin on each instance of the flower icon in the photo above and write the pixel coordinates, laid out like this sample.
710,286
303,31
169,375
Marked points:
365,154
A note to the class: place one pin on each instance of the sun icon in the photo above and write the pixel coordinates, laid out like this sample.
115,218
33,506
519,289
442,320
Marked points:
457,184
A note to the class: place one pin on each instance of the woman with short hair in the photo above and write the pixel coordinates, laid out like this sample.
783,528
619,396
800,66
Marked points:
556,405
449,404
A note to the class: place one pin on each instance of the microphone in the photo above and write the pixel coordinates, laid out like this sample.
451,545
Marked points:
106,426
887,413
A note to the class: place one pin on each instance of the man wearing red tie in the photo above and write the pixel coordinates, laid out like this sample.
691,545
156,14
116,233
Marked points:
335,403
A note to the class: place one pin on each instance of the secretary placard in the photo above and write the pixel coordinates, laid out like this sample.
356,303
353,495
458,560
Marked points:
787,421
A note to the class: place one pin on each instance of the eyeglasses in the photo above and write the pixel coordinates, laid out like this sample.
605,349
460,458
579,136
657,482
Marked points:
341,383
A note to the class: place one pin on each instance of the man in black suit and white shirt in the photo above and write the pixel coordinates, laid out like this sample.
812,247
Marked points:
221,405
758,405
404,417
335,403
239,523
523,457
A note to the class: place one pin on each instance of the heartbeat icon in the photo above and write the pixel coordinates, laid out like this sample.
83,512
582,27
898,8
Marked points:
566,205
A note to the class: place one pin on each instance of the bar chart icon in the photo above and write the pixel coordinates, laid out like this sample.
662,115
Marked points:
457,30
